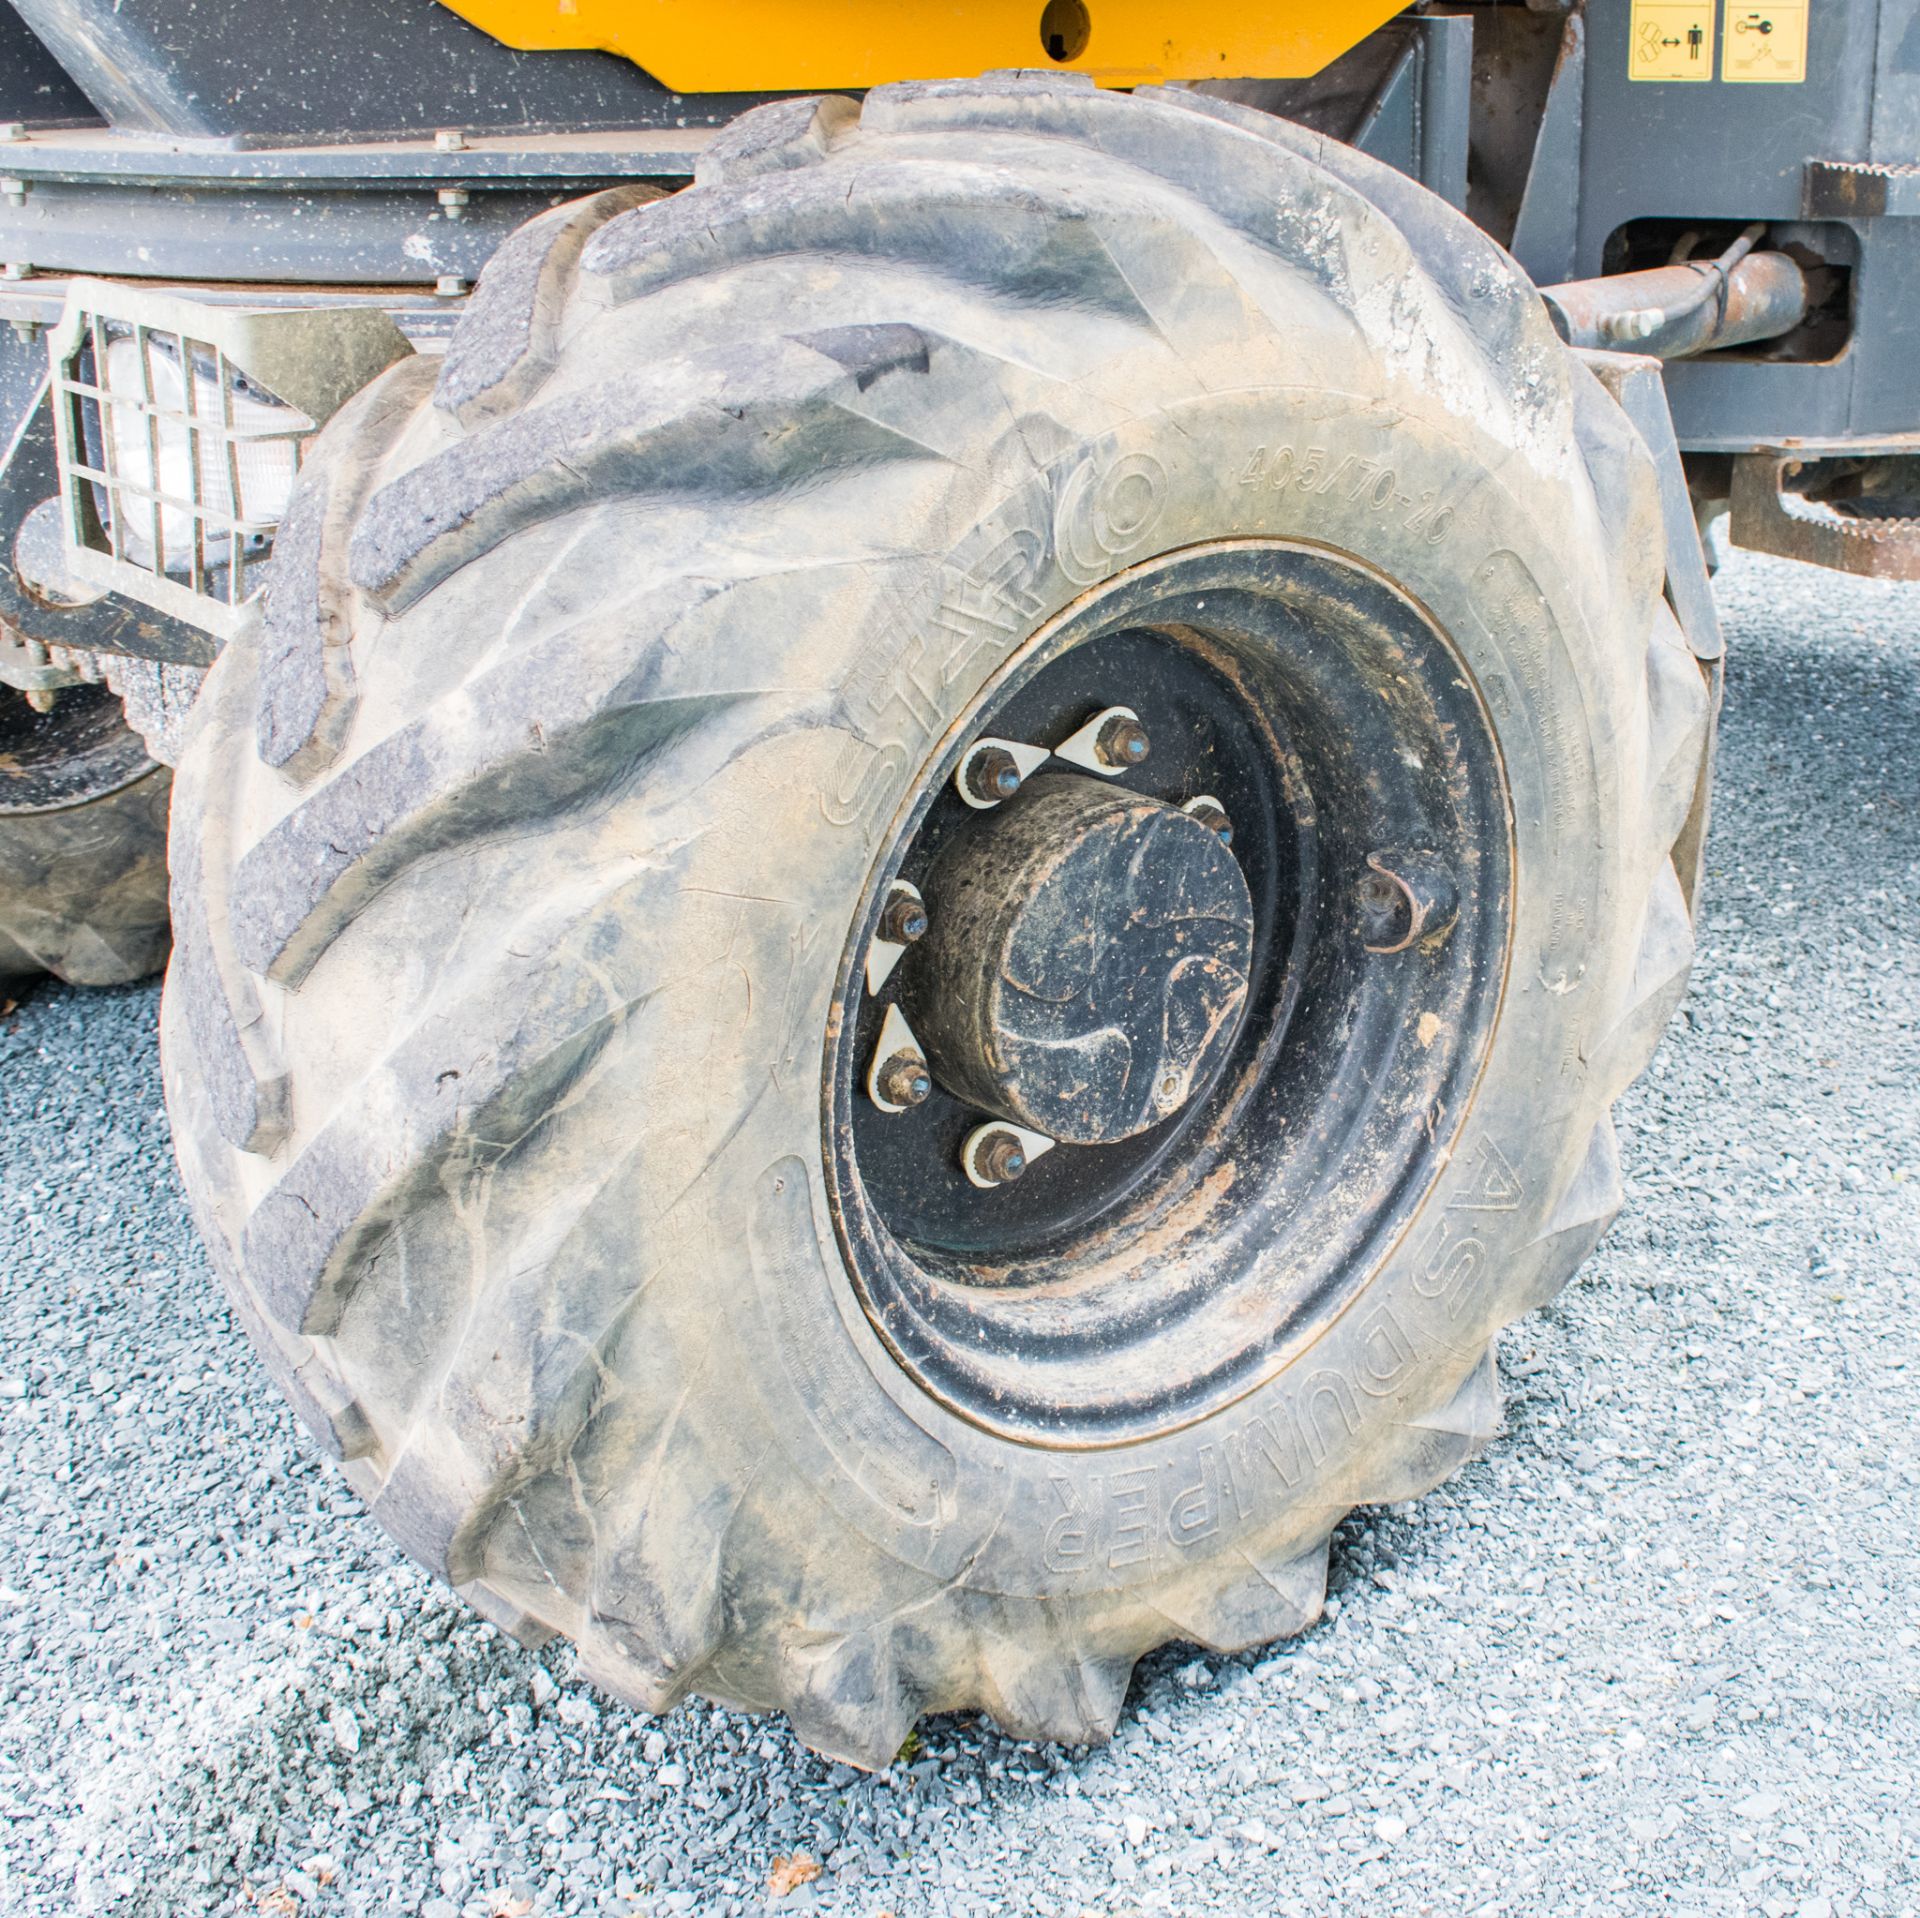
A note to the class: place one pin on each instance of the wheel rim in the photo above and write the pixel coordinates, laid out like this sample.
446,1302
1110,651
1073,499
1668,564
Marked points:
79,749
1162,1261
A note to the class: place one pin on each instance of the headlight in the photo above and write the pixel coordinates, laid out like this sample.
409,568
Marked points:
197,464
179,425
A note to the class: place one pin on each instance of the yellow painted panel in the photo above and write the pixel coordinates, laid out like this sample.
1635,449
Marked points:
1765,44
775,46
1671,40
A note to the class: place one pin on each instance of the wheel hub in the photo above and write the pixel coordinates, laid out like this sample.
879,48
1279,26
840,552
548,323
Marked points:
1088,968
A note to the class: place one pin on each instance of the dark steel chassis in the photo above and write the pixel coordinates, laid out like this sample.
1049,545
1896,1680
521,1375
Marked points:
133,147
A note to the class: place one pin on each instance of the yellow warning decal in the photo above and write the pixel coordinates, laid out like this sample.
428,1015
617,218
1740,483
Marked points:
1671,40
1763,44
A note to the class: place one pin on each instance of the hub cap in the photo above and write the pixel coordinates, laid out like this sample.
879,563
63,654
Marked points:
1088,968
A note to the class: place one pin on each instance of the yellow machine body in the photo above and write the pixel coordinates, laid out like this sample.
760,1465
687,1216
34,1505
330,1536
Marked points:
769,46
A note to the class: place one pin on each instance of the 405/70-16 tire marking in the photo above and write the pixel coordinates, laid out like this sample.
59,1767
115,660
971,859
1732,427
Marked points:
1373,481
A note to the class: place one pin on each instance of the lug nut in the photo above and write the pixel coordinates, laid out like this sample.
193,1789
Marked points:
904,1080
1214,818
904,920
993,775
998,1156
1122,743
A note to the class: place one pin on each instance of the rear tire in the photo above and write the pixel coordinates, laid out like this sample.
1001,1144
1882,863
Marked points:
526,856
83,843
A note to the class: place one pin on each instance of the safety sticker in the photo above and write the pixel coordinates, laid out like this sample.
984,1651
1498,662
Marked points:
1672,40
1765,43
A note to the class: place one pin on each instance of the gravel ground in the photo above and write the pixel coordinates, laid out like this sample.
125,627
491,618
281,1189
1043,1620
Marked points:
1657,1651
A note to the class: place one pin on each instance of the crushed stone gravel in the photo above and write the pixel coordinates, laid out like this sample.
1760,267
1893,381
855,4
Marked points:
1658,1651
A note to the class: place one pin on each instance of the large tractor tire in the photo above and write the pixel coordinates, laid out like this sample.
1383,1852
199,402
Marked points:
83,843
591,1149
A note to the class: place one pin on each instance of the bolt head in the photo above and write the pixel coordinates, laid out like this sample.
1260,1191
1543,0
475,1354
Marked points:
999,1157
1215,821
993,775
1122,743
904,1080
904,920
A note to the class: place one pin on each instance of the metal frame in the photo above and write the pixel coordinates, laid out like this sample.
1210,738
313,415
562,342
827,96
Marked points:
276,72
316,202
310,363
392,214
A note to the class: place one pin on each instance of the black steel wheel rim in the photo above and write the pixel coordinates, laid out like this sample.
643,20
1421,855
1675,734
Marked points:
1127,1287
79,749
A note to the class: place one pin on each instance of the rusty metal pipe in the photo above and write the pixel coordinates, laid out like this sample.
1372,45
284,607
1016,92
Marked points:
1673,312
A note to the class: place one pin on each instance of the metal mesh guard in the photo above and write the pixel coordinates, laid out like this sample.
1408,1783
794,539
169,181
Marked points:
180,421
175,465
